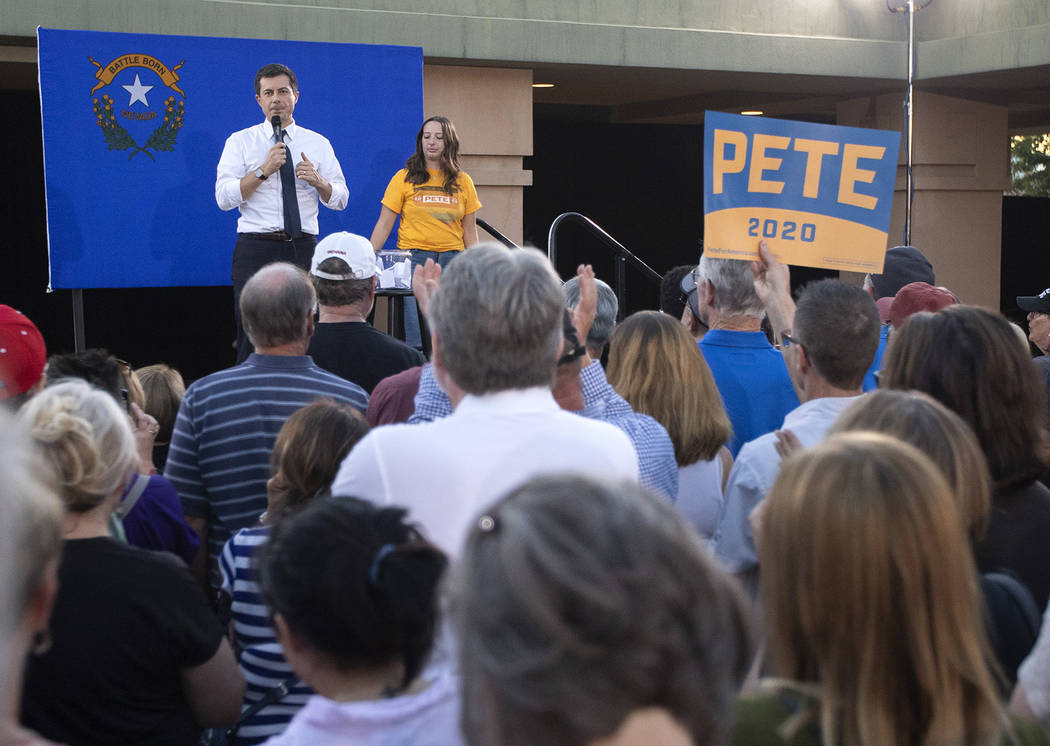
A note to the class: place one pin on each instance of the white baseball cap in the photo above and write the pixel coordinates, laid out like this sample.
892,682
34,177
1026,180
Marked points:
356,251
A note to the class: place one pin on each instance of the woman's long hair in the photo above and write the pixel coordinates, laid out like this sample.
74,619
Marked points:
417,162
306,456
968,359
938,432
656,366
870,594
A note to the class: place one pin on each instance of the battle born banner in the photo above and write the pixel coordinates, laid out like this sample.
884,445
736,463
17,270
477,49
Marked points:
134,124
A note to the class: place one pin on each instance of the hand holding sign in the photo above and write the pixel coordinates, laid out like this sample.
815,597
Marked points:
773,287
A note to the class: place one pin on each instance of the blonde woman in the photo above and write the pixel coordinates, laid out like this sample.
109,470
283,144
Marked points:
163,389
872,608
916,418
136,655
656,366
30,537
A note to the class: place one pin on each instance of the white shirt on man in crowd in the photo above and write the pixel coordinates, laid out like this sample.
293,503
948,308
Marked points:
447,471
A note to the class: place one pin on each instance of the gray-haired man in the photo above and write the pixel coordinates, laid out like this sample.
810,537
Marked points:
496,322
750,374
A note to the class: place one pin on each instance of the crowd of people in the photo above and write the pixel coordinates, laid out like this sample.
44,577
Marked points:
515,544
749,517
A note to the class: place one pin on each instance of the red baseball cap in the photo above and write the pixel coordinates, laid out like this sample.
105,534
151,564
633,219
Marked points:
918,296
22,353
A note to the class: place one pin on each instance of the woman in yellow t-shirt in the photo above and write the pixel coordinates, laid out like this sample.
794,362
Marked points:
434,197
437,203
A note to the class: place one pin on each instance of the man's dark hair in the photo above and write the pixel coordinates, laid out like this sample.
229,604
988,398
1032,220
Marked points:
272,70
339,292
96,366
357,582
672,299
838,325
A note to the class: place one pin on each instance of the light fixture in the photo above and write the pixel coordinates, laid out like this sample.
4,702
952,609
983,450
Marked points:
543,85
752,113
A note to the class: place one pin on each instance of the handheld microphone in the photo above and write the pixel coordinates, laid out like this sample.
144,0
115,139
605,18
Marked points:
275,120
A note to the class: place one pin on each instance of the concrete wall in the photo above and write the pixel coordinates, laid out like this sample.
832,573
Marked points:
960,172
492,111
946,19
851,38
856,19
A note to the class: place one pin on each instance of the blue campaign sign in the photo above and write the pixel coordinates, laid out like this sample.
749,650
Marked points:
134,125
820,195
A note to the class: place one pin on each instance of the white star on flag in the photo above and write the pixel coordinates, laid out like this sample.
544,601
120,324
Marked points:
138,91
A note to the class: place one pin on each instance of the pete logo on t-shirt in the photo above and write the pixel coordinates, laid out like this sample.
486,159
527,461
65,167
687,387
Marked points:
437,199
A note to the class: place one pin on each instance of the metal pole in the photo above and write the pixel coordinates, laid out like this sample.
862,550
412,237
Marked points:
909,112
79,344
621,286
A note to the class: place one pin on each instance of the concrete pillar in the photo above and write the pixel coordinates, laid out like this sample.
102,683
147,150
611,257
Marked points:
492,111
961,166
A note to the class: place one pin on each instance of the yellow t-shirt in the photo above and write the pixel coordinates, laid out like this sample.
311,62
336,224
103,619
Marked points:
431,218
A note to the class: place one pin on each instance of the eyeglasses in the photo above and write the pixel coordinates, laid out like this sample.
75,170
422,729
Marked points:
126,373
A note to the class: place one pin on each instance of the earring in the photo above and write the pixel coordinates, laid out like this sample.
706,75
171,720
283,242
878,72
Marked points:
41,641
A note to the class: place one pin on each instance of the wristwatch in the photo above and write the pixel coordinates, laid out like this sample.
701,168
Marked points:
259,174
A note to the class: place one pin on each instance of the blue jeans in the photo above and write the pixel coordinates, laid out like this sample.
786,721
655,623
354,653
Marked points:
413,334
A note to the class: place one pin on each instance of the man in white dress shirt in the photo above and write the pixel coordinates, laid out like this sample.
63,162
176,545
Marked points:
496,325
830,341
275,177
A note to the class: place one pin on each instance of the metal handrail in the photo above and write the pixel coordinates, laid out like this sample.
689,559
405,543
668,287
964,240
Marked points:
623,255
496,234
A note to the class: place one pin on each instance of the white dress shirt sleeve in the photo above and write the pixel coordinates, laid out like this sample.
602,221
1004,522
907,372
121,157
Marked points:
230,171
329,169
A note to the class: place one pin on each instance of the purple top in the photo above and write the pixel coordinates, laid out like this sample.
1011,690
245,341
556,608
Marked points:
156,522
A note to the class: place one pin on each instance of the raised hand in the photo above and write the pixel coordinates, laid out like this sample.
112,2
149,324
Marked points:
425,279
307,171
584,313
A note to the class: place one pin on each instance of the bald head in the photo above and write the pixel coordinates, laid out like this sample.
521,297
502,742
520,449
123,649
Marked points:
276,305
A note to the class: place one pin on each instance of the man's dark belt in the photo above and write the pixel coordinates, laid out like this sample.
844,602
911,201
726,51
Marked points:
277,236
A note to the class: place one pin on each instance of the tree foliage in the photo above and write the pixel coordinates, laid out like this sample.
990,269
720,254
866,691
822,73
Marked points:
1030,165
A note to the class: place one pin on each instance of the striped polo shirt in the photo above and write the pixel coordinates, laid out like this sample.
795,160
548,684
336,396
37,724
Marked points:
219,459
261,657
